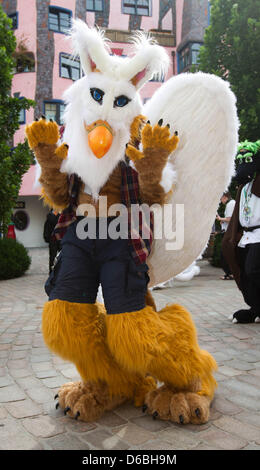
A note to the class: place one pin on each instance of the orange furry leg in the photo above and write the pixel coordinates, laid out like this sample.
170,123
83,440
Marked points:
77,332
165,345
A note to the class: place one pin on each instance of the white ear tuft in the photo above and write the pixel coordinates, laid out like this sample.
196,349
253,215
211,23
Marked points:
91,45
149,59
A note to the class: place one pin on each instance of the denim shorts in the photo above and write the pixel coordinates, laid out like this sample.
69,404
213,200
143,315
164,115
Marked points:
83,265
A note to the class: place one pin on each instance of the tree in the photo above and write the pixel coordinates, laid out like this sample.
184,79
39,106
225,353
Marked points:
231,51
14,162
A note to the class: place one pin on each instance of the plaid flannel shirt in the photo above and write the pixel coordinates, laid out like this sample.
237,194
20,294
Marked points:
140,230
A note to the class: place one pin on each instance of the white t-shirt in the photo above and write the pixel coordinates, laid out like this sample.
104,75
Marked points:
228,213
249,215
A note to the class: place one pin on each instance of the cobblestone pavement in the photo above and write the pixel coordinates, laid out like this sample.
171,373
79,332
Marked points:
30,375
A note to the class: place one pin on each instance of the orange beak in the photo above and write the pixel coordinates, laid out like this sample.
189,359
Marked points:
100,137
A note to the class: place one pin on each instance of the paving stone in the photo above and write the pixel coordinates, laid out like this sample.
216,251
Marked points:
157,444
101,439
40,394
3,412
6,380
249,418
23,409
44,374
249,403
14,437
129,411
79,427
225,406
16,373
228,371
133,434
65,442
219,438
53,382
180,438
150,424
233,426
11,393
43,426
111,419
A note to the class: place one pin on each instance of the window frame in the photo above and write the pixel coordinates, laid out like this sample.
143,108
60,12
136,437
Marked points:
135,6
56,102
75,60
11,17
59,10
185,61
94,9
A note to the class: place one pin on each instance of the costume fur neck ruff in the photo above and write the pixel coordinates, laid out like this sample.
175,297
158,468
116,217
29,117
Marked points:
115,76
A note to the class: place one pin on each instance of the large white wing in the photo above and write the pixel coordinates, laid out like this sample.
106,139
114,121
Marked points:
202,108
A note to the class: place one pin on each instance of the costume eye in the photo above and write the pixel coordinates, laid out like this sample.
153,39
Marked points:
121,101
97,94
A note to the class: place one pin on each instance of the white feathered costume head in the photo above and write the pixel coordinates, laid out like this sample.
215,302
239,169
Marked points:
101,106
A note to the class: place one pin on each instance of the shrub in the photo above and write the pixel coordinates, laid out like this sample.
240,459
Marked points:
14,259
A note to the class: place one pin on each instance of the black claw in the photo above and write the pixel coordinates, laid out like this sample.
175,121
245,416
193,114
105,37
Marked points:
144,408
197,412
66,145
56,396
66,410
77,415
43,117
155,414
148,122
160,122
176,132
126,145
51,120
168,125
36,119
181,419
57,405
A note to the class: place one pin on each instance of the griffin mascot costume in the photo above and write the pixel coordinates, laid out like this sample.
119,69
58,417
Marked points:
241,243
116,152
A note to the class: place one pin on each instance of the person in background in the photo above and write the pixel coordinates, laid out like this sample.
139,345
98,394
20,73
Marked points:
54,245
241,242
229,203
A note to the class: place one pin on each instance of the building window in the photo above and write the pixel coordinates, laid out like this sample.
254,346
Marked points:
22,116
59,19
69,68
157,77
14,18
94,5
24,62
188,56
137,7
54,110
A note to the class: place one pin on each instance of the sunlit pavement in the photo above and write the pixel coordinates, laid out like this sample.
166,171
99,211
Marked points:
30,375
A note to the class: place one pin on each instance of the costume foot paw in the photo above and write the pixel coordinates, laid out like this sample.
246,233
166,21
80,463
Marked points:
80,401
245,316
42,132
181,407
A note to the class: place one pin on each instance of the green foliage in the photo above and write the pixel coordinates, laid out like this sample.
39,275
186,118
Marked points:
14,162
231,51
14,259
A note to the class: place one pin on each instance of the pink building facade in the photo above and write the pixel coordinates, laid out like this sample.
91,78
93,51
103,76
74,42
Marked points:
44,68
